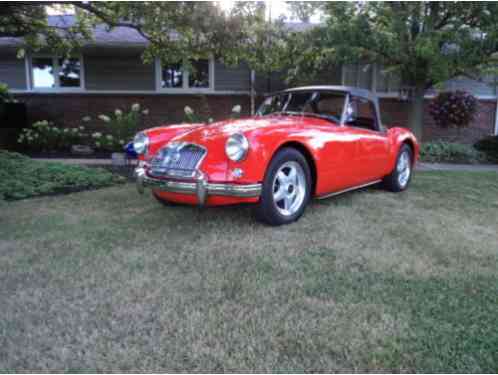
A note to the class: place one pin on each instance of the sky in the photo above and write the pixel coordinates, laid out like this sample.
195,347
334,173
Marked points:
278,8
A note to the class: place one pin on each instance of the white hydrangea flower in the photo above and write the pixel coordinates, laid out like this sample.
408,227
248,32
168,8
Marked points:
97,144
109,137
66,130
145,111
210,120
104,118
135,107
121,142
118,112
96,135
237,109
188,110
87,119
82,128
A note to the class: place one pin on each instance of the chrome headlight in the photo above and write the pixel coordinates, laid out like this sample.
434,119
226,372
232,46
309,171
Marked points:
237,147
140,143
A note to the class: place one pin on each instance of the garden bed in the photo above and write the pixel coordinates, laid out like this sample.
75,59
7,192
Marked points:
68,155
22,177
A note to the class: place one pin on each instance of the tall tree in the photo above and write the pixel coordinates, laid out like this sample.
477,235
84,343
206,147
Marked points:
425,43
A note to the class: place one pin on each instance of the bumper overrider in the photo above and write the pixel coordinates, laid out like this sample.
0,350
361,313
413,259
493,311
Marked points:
199,187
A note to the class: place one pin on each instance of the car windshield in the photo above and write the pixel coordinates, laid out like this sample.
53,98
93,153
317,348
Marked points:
323,104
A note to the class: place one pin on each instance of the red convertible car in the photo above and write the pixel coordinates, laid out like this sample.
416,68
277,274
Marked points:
303,143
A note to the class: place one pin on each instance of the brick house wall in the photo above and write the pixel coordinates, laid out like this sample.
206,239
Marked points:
69,109
395,112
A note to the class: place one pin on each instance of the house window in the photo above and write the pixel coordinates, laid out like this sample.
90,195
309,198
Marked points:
69,73
175,77
43,73
199,76
56,73
387,82
358,76
172,76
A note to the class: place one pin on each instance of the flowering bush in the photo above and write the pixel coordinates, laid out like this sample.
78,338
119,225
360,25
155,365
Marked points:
453,109
120,127
192,117
44,136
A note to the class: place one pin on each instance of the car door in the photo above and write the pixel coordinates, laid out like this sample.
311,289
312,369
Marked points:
372,144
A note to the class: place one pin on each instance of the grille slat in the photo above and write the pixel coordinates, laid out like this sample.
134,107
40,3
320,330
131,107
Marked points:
177,160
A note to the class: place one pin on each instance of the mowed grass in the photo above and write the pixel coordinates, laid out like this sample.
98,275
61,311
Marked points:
108,280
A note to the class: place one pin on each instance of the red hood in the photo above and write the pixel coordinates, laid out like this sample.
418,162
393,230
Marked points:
214,135
202,133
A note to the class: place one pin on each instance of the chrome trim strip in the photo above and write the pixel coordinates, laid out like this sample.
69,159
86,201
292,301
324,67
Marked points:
348,189
200,187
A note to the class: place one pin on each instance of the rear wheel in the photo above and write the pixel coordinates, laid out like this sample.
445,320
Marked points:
400,177
286,188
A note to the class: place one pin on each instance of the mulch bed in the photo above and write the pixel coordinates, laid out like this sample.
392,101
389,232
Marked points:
68,155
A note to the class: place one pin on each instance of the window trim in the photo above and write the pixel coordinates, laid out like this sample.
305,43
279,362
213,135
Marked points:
185,89
55,64
378,125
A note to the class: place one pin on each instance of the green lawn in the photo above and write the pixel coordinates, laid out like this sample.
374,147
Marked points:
108,280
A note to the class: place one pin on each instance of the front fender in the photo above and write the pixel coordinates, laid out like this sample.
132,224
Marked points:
262,149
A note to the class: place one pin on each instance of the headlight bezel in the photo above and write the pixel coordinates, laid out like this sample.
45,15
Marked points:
237,147
143,141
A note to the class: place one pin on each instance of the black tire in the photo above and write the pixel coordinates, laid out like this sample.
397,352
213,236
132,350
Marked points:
266,210
392,181
164,202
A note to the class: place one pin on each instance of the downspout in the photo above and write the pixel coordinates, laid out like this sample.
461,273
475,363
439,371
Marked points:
496,117
496,112
253,92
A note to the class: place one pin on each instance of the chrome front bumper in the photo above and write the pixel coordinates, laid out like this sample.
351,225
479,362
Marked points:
199,187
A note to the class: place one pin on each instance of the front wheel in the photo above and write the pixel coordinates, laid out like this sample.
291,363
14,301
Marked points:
286,188
400,177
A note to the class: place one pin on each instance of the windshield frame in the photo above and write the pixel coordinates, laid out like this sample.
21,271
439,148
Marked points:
283,111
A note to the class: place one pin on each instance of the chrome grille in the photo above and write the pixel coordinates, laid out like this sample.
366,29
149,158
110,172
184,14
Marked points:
177,160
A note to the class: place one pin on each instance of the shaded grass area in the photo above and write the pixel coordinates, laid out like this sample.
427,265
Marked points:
22,177
112,281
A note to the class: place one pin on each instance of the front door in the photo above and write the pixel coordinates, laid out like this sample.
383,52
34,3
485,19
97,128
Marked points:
372,145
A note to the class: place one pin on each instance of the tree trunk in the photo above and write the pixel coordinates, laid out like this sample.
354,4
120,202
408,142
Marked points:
416,114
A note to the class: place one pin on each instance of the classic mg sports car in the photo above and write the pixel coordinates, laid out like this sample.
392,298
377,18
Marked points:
303,143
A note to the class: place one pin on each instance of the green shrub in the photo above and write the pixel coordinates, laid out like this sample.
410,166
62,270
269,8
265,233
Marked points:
489,146
445,152
22,177
5,96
